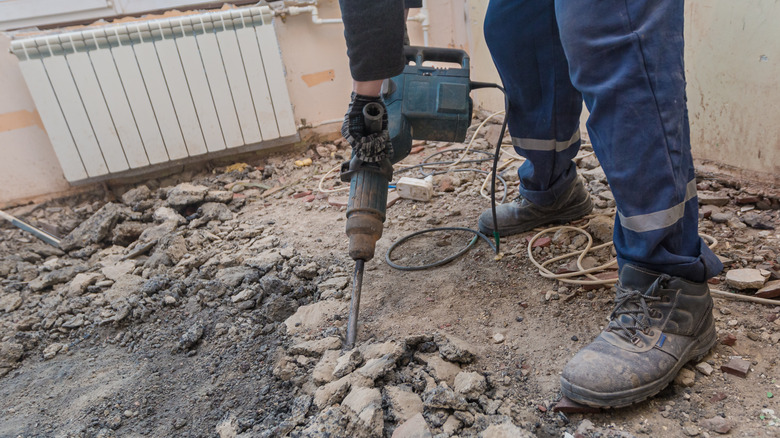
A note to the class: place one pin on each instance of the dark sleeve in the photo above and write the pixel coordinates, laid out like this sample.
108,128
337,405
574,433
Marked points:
409,4
374,31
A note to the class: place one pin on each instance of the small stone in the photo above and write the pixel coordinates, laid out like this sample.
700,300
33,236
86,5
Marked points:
316,347
11,302
243,295
313,316
728,339
713,198
439,368
690,431
685,378
498,338
190,337
376,368
347,363
52,350
704,368
736,366
168,215
542,242
721,217
81,282
169,300
575,338
414,427
441,397
136,195
454,349
331,393
223,196
186,194
601,227
10,353
745,278
75,322
470,385
323,371
717,424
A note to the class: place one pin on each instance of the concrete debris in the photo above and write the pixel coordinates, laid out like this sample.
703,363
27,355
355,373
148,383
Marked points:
746,278
454,349
736,366
414,427
347,363
186,194
94,229
470,385
717,424
218,269
601,227
403,402
685,378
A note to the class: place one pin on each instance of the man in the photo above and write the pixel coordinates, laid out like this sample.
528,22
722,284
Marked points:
625,60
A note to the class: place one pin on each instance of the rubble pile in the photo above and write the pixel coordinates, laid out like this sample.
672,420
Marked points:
232,329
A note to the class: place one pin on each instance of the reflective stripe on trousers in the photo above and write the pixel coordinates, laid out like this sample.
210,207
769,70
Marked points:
625,59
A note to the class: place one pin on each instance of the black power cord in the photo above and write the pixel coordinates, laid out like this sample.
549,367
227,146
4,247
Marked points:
478,235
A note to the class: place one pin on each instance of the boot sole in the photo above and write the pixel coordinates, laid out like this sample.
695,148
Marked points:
607,400
574,213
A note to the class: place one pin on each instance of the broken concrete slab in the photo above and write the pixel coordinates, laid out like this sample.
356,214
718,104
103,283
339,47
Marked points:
745,278
316,347
94,229
454,349
470,384
414,427
736,366
403,402
770,290
313,316
186,194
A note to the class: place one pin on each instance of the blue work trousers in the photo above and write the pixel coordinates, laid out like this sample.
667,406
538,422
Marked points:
625,60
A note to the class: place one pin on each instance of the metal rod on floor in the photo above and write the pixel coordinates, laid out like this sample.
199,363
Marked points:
43,235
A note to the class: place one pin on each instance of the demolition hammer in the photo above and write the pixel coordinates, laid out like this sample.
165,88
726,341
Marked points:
423,103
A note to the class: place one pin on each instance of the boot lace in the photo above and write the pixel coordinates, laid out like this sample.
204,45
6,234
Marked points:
634,304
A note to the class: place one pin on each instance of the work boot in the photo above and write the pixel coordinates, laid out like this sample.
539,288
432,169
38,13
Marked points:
659,324
521,215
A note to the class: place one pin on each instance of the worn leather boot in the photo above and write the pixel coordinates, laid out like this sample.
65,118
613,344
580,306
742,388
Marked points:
521,215
659,324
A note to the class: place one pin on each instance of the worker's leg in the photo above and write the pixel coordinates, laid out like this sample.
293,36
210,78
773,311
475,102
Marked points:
627,60
544,110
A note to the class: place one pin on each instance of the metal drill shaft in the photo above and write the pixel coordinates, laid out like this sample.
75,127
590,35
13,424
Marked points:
354,305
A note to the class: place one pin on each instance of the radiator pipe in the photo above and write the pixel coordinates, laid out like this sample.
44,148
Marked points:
422,16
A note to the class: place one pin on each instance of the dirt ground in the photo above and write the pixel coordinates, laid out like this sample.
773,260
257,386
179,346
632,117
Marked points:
141,374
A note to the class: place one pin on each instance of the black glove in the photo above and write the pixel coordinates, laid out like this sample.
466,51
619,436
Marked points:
371,148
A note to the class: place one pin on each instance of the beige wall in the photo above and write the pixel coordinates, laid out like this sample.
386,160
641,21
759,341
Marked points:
732,59
28,166
733,72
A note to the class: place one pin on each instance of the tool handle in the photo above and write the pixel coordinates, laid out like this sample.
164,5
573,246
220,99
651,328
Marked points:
373,113
436,54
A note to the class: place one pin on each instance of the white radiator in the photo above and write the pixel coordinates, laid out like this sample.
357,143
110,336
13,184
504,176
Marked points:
128,96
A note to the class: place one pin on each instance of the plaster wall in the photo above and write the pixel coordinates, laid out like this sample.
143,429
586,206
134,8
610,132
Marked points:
732,58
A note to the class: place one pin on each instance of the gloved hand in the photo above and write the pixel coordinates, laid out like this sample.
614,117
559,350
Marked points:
371,148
